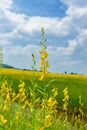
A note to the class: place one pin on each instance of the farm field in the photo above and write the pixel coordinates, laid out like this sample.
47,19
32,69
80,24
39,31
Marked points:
74,85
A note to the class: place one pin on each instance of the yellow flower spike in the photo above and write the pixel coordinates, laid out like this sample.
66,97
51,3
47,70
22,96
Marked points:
42,77
22,85
3,120
64,107
50,101
55,92
65,100
48,120
44,55
65,91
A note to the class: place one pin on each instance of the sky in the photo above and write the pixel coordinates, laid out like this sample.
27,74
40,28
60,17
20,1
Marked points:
65,25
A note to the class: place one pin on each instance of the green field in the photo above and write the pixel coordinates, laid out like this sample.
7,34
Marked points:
77,85
36,106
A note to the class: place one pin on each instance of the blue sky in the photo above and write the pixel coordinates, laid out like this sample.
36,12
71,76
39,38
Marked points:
65,27
44,8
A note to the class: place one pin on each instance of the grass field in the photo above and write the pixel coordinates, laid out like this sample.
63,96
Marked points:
76,84
26,106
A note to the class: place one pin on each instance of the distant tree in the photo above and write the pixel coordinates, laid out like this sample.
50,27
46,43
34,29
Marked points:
65,72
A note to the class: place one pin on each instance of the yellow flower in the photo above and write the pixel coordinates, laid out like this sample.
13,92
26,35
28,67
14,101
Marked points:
8,97
65,106
44,55
51,102
5,108
42,77
65,91
55,92
48,120
66,98
41,128
22,85
3,120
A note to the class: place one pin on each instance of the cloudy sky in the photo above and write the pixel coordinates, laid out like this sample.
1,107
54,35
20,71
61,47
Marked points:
65,24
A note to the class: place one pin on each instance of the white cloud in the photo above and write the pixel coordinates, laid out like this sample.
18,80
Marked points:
19,50
8,34
33,24
75,2
69,50
16,19
5,4
71,62
79,12
4,42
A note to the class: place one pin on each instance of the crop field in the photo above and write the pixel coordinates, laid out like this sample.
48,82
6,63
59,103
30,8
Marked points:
75,83
15,81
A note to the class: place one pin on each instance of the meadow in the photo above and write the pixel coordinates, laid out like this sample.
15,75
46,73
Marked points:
75,83
76,88
40,100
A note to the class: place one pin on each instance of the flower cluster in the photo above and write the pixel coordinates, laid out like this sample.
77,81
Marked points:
65,100
50,107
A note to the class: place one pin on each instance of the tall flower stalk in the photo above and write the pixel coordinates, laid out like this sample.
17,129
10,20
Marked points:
43,56
43,66
65,102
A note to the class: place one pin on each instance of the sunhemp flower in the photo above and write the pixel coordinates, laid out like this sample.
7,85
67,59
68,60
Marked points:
65,100
51,102
3,120
55,92
48,120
